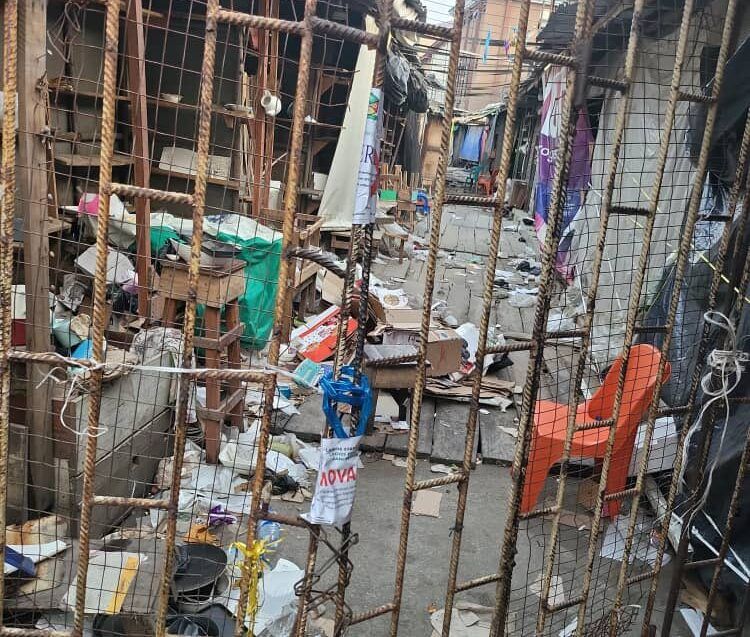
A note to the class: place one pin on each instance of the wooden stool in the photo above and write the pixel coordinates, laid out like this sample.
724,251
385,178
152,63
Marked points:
217,288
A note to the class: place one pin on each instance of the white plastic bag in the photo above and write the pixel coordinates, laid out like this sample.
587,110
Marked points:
336,482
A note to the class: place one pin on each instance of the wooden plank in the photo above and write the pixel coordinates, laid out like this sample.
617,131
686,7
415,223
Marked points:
32,192
79,160
18,466
449,432
397,444
135,50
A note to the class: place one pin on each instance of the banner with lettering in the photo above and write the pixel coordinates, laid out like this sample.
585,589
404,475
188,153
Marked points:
336,485
365,205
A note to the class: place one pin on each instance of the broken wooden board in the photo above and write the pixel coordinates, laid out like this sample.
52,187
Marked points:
449,432
398,443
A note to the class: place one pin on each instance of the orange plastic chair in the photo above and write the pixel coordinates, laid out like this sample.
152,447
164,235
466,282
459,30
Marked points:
551,421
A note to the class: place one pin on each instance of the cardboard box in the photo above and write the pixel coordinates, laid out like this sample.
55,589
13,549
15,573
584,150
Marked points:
398,376
443,345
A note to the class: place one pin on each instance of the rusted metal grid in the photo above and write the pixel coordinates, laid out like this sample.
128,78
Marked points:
615,617
108,92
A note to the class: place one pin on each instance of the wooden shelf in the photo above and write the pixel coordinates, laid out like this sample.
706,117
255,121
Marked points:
90,161
233,184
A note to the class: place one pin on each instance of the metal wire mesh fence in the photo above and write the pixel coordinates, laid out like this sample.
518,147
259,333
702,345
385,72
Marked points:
164,214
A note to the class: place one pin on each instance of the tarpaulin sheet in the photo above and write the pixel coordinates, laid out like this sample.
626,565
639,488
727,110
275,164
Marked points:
260,248
338,201
471,146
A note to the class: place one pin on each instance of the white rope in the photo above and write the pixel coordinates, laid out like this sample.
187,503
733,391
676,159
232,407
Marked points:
729,365
78,378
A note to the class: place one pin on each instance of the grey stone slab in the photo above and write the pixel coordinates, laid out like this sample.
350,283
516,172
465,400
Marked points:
449,432
397,444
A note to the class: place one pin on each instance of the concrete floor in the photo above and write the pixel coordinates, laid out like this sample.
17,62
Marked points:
459,277
376,519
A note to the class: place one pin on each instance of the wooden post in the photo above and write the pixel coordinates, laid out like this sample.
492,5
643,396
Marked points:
32,200
135,51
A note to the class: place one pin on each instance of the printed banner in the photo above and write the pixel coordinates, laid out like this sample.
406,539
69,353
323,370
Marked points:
337,481
365,205
579,176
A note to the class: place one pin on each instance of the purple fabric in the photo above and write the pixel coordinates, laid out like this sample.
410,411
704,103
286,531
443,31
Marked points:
579,176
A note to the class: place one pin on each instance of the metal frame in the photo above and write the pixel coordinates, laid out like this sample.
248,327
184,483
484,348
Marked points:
577,63
361,248
307,28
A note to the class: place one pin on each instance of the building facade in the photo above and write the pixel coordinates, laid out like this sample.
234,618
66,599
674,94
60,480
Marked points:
488,44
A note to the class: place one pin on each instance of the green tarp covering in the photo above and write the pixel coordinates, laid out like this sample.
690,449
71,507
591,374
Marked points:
260,249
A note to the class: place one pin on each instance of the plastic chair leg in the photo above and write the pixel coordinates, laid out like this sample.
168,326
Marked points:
545,452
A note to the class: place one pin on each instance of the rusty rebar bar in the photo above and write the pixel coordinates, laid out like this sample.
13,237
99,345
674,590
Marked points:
591,297
487,302
286,270
384,29
424,330
7,212
111,34
682,261
199,205
583,20
256,511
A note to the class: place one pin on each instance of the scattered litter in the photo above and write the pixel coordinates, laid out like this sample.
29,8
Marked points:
427,503
520,298
388,457
336,483
556,593
484,411
613,544
108,580
467,620
399,462
580,521
296,497
511,431
694,620
200,534
308,373
443,468
34,552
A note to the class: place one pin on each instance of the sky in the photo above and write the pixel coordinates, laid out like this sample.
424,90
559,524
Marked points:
438,10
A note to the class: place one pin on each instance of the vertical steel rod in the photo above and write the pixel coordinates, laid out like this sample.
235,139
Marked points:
286,270
487,302
99,304
419,385
269,391
7,212
633,309
591,297
584,16
385,8
683,254
199,204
